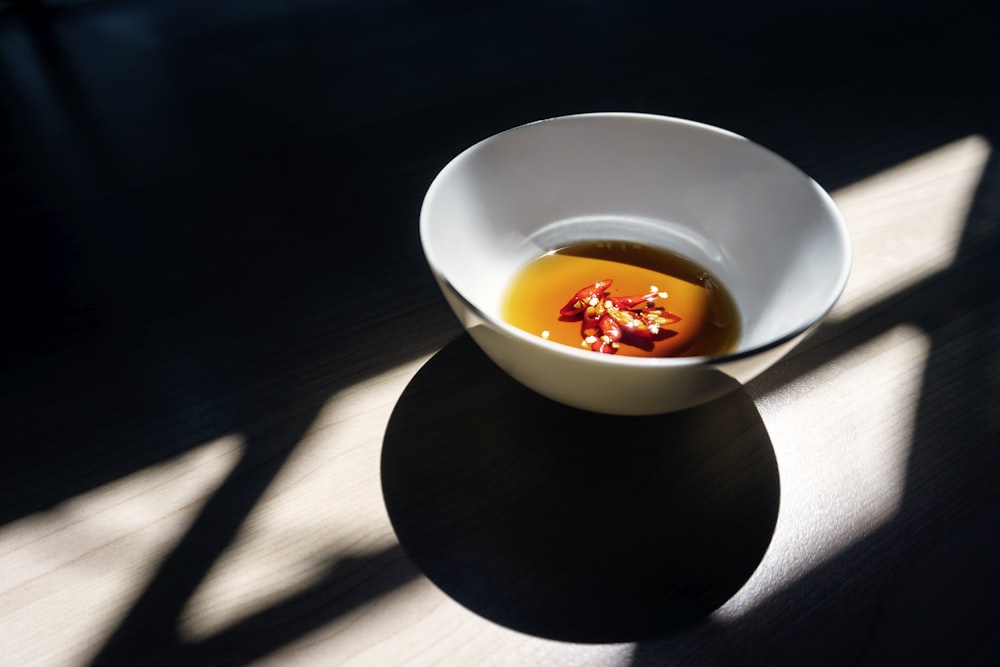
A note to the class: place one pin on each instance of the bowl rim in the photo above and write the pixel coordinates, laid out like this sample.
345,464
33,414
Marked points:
571,352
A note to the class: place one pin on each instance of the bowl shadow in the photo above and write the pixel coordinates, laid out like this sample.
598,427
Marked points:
572,525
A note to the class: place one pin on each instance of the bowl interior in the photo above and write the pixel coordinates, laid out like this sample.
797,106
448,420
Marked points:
770,233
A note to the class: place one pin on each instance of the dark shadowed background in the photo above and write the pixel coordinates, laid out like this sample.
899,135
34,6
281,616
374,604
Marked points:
207,205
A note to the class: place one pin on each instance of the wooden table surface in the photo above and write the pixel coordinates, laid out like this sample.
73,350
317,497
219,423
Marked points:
239,424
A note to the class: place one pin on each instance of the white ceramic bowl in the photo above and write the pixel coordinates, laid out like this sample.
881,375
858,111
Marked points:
773,237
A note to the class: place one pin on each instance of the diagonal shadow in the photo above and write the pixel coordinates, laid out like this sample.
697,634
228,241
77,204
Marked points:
161,341
203,330
919,588
350,583
148,632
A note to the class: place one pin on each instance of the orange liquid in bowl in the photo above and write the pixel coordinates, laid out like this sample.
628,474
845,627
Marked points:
709,321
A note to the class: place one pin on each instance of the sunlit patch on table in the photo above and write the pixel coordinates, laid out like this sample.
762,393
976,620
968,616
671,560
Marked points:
71,573
322,510
837,487
906,222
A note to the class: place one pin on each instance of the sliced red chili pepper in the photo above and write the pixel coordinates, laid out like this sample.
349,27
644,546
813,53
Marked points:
630,302
658,317
583,298
591,320
610,328
634,329
608,321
